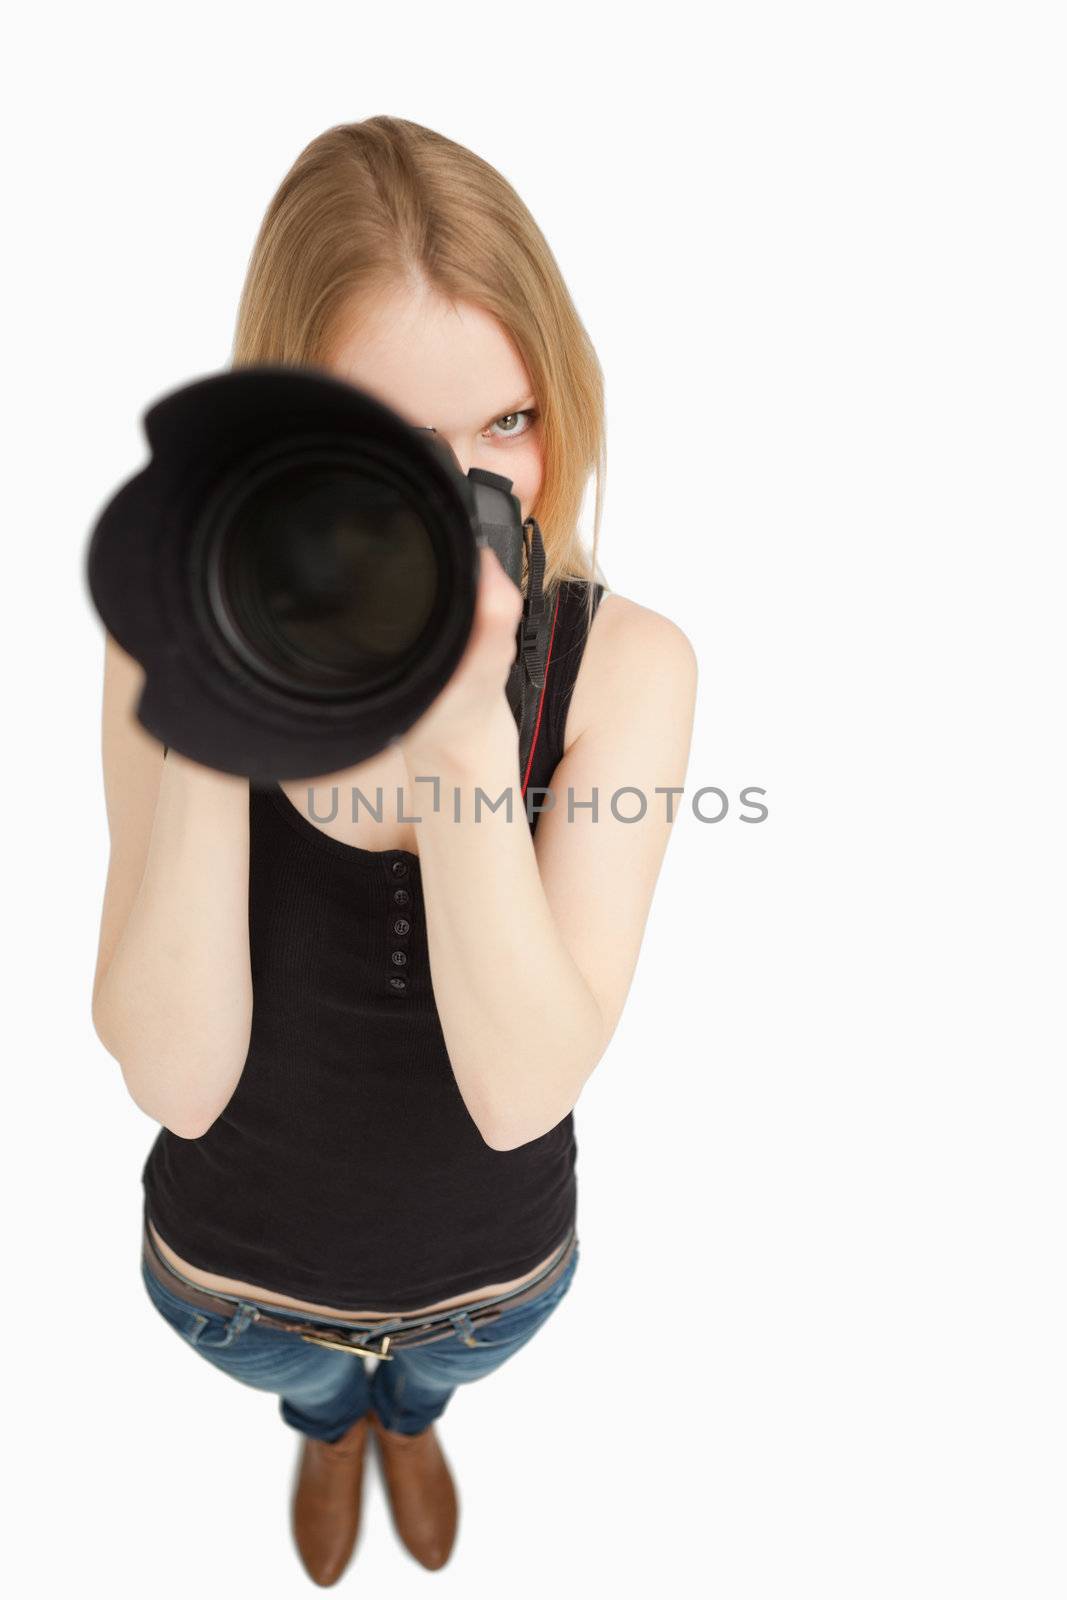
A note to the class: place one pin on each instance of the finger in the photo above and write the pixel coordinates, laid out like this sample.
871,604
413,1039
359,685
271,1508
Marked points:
498,603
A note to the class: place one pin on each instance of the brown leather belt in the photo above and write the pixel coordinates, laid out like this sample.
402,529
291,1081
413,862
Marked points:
398,1332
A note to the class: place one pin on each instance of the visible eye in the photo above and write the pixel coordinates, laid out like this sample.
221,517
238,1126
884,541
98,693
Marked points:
510,421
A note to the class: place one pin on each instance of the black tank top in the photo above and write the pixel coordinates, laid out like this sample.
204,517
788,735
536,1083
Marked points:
346,1168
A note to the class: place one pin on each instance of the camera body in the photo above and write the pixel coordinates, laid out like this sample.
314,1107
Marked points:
296,570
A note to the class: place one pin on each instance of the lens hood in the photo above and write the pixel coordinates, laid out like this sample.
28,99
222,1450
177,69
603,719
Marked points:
295,569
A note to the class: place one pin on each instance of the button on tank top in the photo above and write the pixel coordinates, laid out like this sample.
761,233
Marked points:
346,1168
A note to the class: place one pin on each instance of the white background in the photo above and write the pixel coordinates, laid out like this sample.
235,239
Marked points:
816,1342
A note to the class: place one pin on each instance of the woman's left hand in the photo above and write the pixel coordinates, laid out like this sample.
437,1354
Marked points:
468,708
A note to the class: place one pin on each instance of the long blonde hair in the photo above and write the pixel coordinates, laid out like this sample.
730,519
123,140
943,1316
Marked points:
370,205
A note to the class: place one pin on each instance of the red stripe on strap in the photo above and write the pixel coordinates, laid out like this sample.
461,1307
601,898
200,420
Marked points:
541,703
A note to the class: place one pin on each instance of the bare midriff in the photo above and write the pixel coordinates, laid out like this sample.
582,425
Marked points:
213,1280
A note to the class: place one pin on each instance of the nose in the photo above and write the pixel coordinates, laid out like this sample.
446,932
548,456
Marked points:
461,449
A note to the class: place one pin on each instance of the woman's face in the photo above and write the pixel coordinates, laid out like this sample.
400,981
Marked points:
453,369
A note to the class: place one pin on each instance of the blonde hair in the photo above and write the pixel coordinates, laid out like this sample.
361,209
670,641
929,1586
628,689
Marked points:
370,205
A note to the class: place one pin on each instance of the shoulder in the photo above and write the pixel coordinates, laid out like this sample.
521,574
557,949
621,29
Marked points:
634,658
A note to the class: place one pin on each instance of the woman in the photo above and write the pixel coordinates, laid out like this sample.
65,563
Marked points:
378,1156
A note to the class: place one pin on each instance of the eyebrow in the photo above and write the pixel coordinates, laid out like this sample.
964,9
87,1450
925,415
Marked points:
516,405
529,403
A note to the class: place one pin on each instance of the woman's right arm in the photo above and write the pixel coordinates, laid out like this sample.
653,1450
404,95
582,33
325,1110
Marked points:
172,993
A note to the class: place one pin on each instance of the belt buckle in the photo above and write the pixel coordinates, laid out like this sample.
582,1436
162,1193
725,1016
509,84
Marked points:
352,1348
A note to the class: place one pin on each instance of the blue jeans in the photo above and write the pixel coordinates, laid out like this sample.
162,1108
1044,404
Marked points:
323,1391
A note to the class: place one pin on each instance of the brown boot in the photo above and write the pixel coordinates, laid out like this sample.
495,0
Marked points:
327,1502
422,1495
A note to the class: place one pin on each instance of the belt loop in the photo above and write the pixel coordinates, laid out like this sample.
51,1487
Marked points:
463,1325
245,1315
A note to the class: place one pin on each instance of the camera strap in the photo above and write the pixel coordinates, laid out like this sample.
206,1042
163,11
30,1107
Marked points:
526,682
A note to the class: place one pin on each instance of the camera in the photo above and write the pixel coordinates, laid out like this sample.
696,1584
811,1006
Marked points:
296,570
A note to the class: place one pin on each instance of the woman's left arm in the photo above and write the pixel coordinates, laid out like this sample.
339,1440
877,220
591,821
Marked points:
533,940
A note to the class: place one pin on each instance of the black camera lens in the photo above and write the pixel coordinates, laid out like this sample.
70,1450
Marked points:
321,572
296,569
